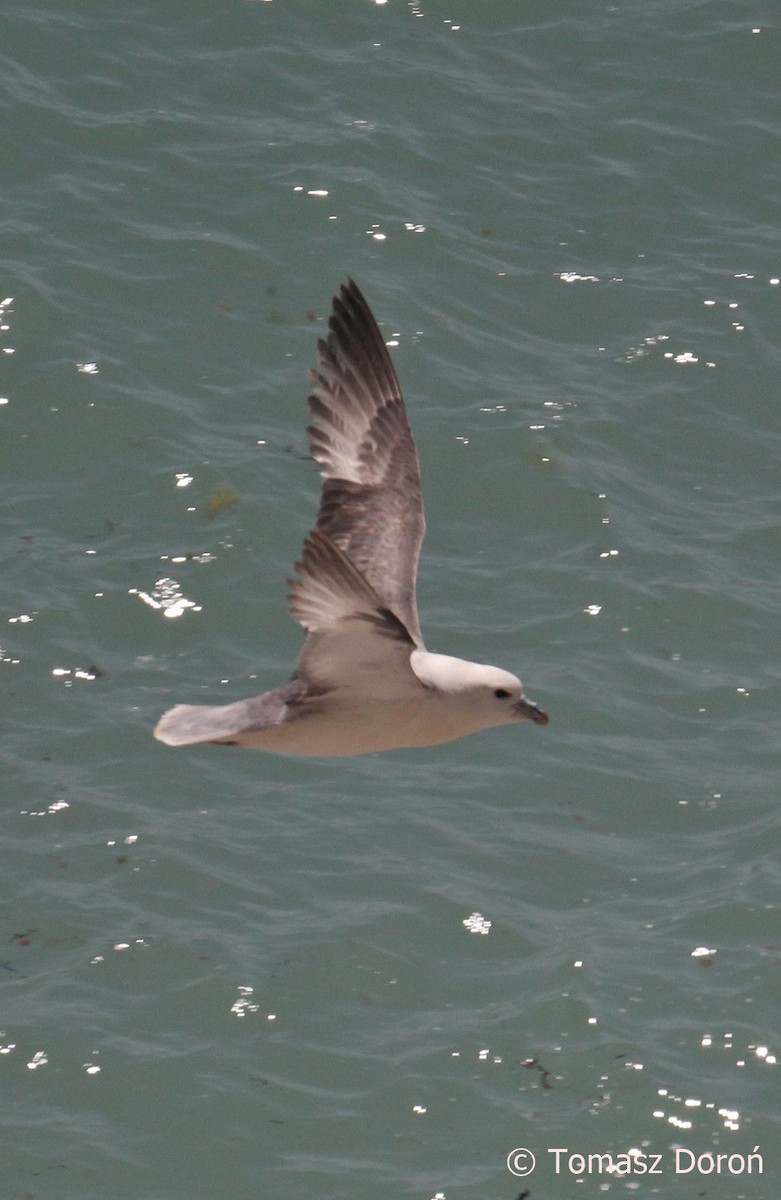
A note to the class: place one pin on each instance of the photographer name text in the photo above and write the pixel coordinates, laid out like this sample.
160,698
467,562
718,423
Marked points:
678,1161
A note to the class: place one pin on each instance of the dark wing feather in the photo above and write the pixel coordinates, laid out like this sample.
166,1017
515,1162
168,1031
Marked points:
351,635
371,503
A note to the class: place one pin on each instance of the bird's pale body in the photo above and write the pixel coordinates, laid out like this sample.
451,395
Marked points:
439,699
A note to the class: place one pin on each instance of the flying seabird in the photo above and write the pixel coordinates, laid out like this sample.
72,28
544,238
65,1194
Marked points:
364,680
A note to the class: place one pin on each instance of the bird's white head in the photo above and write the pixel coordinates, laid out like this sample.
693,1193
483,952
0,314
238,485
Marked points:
483,695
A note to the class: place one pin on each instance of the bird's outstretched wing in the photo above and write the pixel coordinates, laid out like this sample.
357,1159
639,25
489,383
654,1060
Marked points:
371,504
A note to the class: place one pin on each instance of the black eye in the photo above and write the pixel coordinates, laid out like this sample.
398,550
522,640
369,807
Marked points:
502,694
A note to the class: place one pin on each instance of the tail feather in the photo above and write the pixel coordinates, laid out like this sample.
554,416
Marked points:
188,724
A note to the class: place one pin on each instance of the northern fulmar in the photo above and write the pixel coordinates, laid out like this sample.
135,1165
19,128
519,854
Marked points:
364,680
